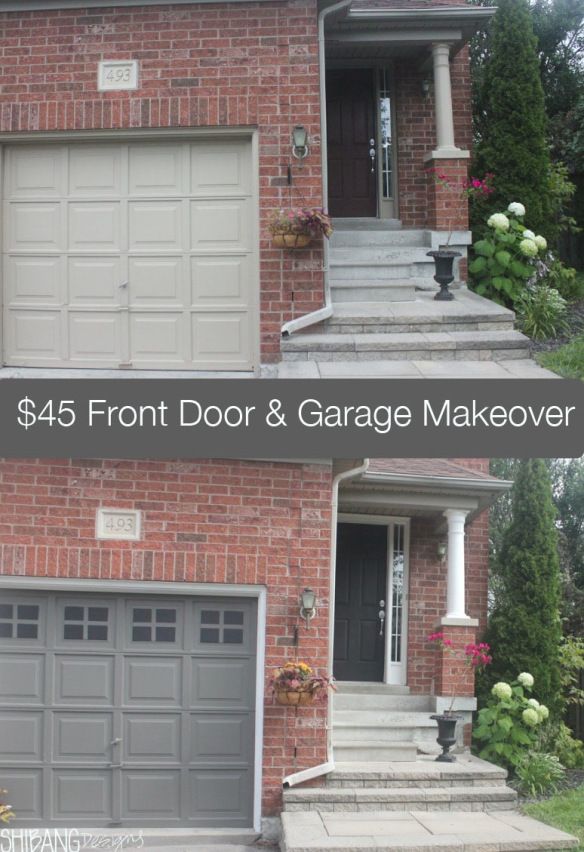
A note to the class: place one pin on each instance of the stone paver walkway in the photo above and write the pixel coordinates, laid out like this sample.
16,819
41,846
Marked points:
520,368
422,831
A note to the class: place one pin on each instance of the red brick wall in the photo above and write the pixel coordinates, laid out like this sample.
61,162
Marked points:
225,64
416,136
428,597
204,521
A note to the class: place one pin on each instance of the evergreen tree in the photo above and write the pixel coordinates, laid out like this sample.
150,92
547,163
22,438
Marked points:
511,123
525,629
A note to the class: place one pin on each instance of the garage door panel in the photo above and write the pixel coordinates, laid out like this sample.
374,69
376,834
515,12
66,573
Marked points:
155,225
221,337
94,226
155,282
34,226
221,282
34,172
82,736
24,792
217,738
84,792
220,226
153,681
33,334
95,171
149,736
217,794
222,683
94,281
84,680
156,170
33,280
150,794
22,678
157,338
21,736
95,336
220,169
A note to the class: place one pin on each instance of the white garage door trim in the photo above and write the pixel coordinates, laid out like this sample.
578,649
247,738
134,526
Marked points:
121,587
249,327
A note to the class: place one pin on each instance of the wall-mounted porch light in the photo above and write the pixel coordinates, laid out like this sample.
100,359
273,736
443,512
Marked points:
307,606
441,551
299,142
426,85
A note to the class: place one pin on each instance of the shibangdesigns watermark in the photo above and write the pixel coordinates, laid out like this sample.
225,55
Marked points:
65,840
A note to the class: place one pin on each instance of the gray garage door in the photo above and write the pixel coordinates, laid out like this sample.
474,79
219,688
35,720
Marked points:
133,711
130,255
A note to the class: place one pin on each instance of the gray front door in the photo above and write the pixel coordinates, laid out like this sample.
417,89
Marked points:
134,711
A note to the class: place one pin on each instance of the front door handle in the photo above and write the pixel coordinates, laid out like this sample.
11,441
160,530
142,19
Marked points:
381,617
372,153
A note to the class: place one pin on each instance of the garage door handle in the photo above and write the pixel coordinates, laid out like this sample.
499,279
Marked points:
124,284
115,742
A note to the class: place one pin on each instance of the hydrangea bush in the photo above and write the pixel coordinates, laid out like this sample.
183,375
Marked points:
508,727
504,261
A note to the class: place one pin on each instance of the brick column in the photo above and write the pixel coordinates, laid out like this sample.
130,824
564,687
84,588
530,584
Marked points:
446,210
454,676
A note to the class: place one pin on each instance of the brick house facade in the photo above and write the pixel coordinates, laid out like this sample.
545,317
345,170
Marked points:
245,535
228,81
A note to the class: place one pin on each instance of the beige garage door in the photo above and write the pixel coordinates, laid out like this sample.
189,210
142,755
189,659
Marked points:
136,255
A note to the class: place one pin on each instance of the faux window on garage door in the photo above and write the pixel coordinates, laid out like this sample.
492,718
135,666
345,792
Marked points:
134,255
127,711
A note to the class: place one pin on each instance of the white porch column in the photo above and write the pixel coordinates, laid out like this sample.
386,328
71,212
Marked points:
456,606
443,102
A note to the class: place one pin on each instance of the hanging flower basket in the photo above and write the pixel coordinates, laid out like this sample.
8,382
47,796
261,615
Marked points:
291,241
297,227
293,697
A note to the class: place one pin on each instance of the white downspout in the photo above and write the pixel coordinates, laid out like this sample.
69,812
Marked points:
325,768
327,311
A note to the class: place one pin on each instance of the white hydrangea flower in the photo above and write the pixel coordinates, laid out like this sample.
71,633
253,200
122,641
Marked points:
502,690
529,235
499,221
530,717
526,679
516,208
543,712
528,248
541,242
533,702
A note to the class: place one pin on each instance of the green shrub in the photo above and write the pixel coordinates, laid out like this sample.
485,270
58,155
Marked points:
507,728
562,278
568,749
541,312
505,259
539,773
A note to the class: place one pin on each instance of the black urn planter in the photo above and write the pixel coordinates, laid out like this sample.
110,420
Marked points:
443,263
446,735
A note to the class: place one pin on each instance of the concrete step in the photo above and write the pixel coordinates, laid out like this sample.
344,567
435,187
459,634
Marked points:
345,237
363,317
423,772
378,704
362,271
373,290
343,733
365,687
418,831
390,717
387,255
374,752
453,345
354,799
366,224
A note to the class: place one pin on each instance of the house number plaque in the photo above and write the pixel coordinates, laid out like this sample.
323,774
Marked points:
117,75
120,524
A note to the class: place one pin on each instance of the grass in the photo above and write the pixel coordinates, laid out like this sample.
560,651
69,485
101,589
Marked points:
564,811
567,360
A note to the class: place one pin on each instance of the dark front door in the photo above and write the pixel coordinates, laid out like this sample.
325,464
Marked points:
361,584
351,129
